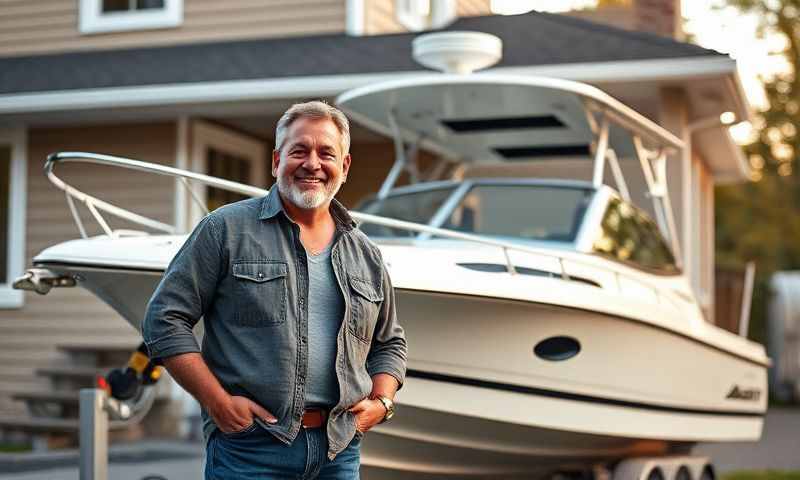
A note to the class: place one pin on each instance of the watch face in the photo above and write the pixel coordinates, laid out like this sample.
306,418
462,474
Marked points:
389,405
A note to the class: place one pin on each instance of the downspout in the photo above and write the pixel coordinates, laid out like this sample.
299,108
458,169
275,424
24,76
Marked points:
715,121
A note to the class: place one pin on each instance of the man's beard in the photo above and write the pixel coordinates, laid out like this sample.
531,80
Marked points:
309,199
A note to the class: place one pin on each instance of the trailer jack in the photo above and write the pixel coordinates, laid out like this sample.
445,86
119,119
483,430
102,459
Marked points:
123,395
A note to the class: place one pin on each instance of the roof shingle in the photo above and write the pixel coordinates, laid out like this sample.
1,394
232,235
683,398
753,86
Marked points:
529,39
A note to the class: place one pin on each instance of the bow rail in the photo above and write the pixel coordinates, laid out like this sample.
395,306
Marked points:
96,205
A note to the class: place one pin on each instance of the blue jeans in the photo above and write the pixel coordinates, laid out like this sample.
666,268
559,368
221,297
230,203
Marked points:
255,454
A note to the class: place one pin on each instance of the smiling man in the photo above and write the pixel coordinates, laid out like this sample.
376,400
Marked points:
302,351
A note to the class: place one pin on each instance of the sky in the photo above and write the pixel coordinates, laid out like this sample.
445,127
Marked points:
722,29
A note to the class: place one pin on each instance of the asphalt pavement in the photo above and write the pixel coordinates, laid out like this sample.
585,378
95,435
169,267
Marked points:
778,449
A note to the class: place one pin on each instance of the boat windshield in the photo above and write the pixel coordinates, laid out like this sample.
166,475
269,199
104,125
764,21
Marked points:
417,207
510,211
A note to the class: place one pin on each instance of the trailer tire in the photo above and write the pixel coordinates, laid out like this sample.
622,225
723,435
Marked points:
656,474
683,473
708,473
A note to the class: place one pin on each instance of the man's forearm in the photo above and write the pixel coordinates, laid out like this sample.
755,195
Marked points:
383,385
192,373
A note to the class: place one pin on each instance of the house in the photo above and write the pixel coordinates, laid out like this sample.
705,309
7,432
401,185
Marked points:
199,85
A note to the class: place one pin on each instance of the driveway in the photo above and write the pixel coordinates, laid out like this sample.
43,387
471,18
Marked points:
778,449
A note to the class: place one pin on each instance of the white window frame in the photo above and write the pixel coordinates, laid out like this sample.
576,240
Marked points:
204,135
18,140
92,20
440,13
409,16
355,17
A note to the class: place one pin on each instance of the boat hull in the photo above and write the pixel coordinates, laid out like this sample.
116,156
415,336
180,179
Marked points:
126,290
643,381
427,444
479,402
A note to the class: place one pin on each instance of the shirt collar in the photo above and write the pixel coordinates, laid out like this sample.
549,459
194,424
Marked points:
272,205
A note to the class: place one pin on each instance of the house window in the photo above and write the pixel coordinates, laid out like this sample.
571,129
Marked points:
98,16
418,15
224,153
229,166
12,214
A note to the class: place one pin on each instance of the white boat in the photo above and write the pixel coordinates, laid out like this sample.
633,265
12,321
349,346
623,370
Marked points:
550,326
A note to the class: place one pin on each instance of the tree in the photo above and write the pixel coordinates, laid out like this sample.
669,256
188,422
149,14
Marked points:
760,221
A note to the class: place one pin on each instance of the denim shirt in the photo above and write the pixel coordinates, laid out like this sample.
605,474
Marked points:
245,272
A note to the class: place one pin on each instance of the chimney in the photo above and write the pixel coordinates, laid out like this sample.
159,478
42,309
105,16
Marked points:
662,17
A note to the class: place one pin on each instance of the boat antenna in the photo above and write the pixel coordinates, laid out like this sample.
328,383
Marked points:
457,52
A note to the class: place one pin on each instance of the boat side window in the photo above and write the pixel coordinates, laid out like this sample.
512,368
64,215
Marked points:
629,235
530,212
417,207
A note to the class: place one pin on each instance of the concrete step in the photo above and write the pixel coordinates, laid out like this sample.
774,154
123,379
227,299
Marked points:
47,425
34,357
39,425
70,398
56,404
39,339
71,371
106,355
71,377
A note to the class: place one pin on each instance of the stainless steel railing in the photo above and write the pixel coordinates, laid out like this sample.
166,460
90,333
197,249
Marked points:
96,206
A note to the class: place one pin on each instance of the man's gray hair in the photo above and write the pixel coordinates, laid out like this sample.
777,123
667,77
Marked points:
313,109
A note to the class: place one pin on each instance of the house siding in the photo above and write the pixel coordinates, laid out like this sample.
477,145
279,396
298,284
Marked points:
379,17
51,26
29,336
470,8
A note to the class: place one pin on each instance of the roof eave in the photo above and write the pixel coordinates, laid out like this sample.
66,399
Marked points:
741,167
331,85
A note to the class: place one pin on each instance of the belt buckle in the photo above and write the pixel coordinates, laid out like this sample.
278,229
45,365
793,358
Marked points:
316,411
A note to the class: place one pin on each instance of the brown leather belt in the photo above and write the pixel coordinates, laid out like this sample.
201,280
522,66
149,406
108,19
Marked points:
314,418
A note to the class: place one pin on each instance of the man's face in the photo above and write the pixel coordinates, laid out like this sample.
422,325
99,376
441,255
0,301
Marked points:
311,166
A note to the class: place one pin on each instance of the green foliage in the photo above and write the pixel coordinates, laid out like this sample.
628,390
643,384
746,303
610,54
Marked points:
14,448
760,221
763,475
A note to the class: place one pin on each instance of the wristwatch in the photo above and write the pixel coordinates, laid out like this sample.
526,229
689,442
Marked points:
388,404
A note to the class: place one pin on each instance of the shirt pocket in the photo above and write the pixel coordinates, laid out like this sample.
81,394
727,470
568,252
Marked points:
260,288
365,302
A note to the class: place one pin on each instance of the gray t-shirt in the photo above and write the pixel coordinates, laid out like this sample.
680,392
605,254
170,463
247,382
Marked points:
325,313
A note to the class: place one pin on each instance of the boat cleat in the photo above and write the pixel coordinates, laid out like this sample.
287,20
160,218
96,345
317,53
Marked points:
41,280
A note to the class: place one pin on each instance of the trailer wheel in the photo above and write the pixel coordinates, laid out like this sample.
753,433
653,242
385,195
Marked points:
683,473
708,473
656,474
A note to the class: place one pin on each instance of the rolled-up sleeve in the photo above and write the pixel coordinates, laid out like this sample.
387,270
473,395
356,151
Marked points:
184,294
388,352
